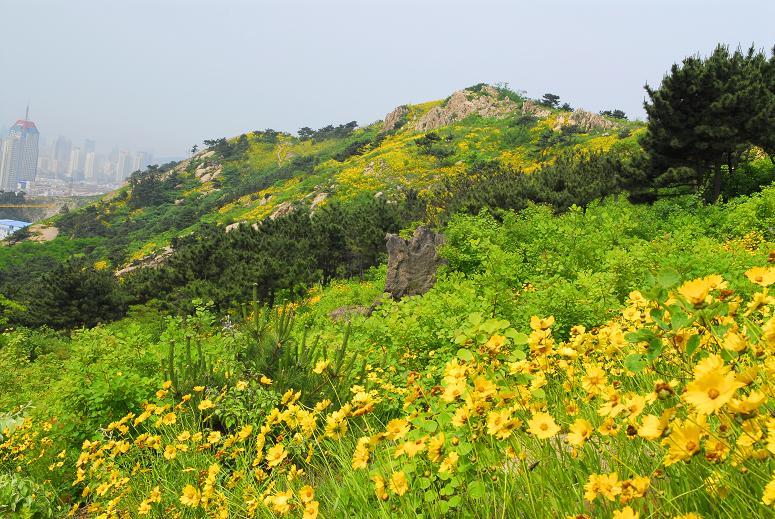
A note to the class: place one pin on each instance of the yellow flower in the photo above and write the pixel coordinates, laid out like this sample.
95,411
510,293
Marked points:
634,488
748,404
711,363
715,450
690,515
396,429
500,423
399,483
311,510
495,343
594,380
361,455
711,391
379,487
606,485
764,276
435,444
155,495
265,380
170,452
580,431
279,501
460,417
245,432
204,405
625,513
214,437
683,442
449,463
695,291
275,455
733,341
199,389
169,419
241,385
411,448
769,493
190,496
768,333
537,323
306,494
651,427
321,365
543,426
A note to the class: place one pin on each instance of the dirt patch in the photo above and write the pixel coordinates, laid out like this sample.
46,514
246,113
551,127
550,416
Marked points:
43,232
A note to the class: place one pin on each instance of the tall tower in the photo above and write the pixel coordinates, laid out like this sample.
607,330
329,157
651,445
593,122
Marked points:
19,154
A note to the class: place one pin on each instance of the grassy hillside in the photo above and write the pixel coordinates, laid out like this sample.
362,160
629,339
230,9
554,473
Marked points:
599,341
260,174
558,366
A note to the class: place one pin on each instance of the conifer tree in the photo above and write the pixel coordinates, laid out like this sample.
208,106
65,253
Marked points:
705,115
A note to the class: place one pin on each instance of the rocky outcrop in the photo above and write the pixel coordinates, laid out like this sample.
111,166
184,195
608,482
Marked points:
394,119
152,261
284,209
319,199
530,107
463,103
206,172
585,121
412,263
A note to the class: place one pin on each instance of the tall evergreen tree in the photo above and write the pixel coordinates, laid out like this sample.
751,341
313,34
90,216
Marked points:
706,114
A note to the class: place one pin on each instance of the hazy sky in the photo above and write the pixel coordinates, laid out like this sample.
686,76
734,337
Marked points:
161,75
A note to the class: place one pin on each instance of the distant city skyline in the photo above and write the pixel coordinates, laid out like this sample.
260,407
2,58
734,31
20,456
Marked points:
163,76
30,163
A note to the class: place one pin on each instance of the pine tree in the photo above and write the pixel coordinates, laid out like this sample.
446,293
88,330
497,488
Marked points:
705,115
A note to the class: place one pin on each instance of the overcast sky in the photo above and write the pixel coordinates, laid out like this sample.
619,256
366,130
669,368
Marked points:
161,75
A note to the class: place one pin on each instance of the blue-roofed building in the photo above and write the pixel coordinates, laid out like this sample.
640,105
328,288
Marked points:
8,227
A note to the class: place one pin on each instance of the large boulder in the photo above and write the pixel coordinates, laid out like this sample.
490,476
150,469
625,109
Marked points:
412,263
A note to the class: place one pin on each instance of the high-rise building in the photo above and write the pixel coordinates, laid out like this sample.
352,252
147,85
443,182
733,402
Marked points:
20,154
74,166
62,149
123,163
89,165
140,161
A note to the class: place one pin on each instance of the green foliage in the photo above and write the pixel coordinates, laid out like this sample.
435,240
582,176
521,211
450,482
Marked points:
573,179
550,100
273,351
151,187
616,113
283,256
23,498
72,295
706,114
328,132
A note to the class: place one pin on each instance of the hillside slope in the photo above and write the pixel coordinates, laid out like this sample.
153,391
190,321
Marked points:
266,174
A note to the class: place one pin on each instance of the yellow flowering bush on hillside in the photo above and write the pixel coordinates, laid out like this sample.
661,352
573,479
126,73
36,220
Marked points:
665,411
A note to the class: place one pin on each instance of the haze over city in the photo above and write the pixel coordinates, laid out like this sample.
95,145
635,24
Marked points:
161,76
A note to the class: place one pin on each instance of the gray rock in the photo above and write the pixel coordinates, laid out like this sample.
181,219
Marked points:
412,263
530,107
393,119
463,103
586,121
347,312
284,209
